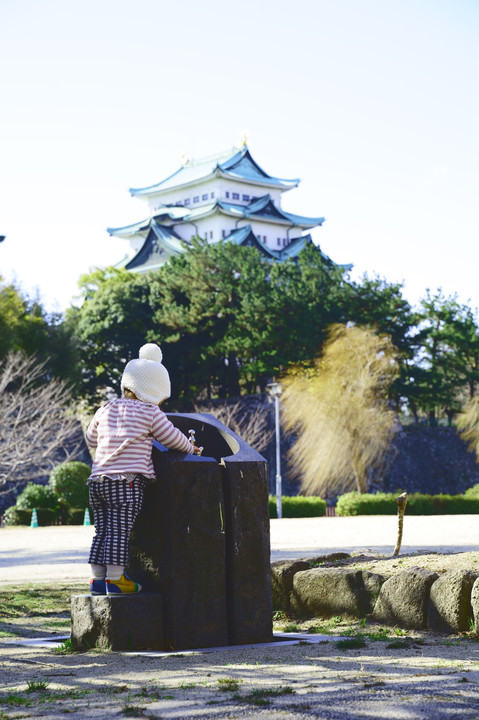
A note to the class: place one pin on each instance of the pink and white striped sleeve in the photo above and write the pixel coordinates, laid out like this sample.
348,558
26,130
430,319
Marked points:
165,432
91,435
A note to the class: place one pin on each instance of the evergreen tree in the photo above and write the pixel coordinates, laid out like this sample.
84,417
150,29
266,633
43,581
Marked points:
447,364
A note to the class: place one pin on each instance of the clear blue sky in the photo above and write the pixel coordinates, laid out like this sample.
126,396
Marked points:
373,103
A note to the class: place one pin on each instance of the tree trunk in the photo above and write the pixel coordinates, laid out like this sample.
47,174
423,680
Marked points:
361,481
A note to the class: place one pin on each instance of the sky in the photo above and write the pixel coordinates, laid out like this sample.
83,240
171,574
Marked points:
374,104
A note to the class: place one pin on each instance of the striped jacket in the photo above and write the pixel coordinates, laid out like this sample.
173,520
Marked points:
122,433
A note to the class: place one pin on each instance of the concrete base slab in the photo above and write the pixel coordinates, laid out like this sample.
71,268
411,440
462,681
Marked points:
280,640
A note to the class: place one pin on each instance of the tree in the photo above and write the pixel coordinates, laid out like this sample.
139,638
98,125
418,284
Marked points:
307,296
339,409
380,305
25,327
37,429
250,424
114,321
468,425
226,318
12,309
447,364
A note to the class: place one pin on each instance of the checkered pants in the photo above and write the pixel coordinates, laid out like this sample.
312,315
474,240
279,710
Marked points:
115,504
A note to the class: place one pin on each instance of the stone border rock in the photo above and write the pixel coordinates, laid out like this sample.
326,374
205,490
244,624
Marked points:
413,599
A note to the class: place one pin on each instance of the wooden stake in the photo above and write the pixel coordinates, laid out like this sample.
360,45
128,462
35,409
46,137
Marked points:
401,502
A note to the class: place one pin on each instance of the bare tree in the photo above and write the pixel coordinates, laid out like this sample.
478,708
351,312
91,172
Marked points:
37,428
251,425
339,410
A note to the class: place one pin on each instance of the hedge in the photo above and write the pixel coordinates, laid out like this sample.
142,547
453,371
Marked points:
417,504
18,516
298,506
45,516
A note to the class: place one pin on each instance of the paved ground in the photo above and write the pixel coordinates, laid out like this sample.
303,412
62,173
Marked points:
60,553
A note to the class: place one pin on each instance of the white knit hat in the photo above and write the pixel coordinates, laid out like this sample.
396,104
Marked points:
147,377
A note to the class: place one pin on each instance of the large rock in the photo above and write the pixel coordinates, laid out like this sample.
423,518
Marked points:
324,592
282,575
449,609
403,599
118,622
475,605
283,572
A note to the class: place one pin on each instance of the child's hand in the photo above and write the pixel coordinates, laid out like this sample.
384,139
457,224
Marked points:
197,450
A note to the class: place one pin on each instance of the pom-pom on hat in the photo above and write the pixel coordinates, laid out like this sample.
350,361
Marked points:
146,376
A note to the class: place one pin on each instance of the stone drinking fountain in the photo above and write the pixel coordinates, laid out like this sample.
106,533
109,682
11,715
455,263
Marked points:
200,548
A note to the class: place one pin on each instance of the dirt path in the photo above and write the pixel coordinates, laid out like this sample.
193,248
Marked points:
436,679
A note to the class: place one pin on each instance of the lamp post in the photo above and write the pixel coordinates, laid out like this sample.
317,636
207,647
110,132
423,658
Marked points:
275,390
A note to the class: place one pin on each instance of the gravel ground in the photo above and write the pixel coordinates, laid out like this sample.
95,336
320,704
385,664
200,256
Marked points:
427,677
437,679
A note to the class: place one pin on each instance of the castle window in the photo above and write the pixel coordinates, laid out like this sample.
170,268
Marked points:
235,196
204,197
278,242
211,234
227,194
245,197
187,201
196,199
212,195
223,233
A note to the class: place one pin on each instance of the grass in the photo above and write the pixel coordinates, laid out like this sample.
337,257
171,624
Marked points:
36,609
37,693
228,684
264,697
351,643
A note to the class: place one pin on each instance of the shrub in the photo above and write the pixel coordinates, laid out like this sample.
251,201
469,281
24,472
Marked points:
417,504
353,503
76,516
473,491
68,481
17,516
298,506
37,496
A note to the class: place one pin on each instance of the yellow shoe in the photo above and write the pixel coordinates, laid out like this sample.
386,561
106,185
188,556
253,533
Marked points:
123,585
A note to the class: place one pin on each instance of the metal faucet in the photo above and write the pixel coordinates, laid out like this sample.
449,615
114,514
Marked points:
192,439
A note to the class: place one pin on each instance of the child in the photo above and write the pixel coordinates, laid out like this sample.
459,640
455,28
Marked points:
122,433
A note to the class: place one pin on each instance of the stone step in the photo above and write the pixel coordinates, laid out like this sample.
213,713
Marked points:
118,622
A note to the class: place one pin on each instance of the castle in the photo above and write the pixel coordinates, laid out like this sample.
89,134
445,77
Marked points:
223,197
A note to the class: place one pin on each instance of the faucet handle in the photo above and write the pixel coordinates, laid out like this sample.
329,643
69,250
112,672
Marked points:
192,439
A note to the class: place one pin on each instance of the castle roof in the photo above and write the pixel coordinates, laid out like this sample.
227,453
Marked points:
261,209
234,165
161,243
